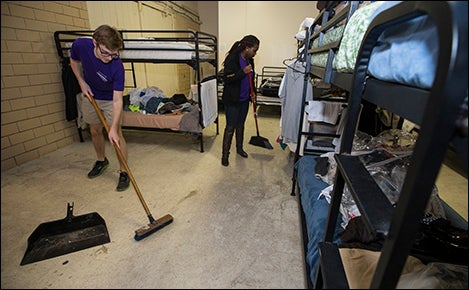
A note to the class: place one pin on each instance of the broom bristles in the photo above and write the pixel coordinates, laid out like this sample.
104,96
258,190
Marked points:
153,227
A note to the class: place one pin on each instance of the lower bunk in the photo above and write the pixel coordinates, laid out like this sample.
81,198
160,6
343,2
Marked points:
148,109
438,258
186,123
181,118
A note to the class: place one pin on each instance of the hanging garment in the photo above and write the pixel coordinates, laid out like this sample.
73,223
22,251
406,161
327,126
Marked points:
291,96
71,89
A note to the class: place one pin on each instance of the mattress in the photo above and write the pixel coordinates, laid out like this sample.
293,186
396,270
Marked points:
315,208
136,119
163,50
182,122
158,50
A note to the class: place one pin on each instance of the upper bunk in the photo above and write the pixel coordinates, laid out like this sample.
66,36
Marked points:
413,62
404,55
153,46
323,41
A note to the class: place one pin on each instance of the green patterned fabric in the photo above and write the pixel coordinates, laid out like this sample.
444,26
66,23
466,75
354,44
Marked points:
320,59
344,61
330,36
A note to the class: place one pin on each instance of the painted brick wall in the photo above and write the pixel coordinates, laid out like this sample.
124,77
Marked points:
33,119
33,112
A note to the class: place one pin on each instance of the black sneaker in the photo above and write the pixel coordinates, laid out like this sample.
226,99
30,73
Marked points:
98,168
123,181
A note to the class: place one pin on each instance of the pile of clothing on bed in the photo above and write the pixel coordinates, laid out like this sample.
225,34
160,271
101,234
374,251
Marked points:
152,100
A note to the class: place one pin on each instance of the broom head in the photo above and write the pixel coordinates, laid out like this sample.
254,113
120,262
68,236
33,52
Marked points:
152,227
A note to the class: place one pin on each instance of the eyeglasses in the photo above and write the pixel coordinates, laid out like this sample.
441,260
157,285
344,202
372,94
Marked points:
106,54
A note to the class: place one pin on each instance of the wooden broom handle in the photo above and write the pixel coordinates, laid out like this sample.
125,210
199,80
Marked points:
120,155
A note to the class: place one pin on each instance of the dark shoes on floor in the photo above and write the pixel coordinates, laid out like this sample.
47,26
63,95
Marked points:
242,153
224,160
98,168
124,181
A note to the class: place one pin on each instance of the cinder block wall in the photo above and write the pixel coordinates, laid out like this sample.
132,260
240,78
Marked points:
32,97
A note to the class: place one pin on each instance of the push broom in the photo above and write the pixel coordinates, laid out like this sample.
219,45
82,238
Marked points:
257,140
154,225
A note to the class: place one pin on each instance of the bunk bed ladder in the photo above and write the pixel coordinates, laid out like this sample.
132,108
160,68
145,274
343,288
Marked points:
307,59
326,19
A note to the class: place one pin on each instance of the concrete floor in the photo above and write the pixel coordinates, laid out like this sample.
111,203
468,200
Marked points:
234,227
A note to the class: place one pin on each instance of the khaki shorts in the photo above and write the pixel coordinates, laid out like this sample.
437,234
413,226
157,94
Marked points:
89,113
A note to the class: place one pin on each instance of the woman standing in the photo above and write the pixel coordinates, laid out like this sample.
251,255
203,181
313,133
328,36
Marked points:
238,64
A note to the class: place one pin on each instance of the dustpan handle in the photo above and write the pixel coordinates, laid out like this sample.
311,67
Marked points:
69,211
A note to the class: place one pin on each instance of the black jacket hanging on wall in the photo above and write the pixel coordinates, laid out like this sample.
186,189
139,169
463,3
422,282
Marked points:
71,89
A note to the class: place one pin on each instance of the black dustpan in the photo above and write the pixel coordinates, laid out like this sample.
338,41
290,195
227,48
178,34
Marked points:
71,234
257,140
260,142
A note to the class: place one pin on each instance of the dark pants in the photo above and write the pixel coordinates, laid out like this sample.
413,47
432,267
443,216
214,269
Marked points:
236,114
235,118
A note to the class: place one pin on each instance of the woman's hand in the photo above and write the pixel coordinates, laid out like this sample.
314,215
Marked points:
247,69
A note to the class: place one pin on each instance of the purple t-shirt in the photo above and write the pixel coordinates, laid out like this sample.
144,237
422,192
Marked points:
245,89
103,78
